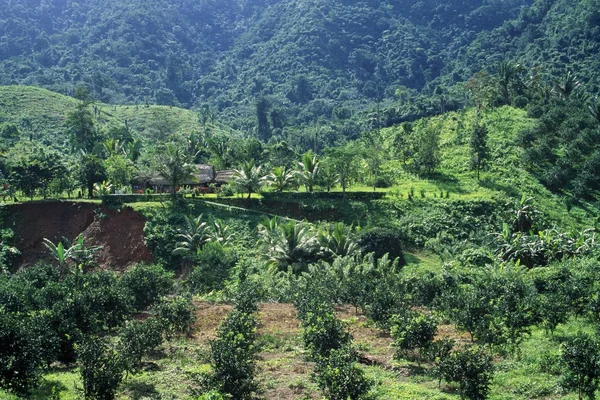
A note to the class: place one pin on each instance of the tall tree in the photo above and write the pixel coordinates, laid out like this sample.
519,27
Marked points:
174,164
263,126
249,178
91,170
345,162
309,170
80,124
480,152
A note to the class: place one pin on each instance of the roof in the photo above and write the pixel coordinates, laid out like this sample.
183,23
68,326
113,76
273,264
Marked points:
224,176
204,174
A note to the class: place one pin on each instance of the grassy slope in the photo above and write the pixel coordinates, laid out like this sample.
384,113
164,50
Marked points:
504,178
35,110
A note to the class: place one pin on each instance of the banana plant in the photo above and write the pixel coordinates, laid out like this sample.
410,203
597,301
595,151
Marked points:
62,253
220,232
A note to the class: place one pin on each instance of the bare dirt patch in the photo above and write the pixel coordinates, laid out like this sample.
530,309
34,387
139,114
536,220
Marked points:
119,232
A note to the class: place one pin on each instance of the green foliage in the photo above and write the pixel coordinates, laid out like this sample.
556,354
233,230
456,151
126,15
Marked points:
381,241
472,369
339,376
101,368
249,179
33,168
580,361
426,154
146,284
176,314
479,148
233,355
212,267
23,356
8,253
322,333
562,149
498,306
136,340
160,233
288,244
413,331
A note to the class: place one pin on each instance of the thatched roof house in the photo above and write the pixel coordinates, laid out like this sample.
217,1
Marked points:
202,177
224,176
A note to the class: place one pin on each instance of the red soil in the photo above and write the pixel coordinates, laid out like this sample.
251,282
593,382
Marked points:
119,232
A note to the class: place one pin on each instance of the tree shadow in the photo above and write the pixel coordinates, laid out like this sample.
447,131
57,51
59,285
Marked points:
49,389
511,191
141,390
449,183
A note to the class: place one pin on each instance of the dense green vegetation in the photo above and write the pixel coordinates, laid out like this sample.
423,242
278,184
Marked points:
409,209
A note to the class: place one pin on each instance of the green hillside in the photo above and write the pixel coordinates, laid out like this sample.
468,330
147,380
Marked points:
41,114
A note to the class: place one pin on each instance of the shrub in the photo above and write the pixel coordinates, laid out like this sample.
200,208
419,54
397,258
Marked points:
472,369
147,283
580,361
339,377
414,331
381,241
214,263
212,395
382,304
233,354
247,297
177,315
160,233
100,367
137,339
23,352
322,333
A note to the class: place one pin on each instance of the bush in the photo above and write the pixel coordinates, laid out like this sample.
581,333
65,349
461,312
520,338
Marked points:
414,331
160,233
339,377
214,262
137,339
472,369
322,333
100,367
381,241
580,361
212,395
147,283
23,352
233,354
177,315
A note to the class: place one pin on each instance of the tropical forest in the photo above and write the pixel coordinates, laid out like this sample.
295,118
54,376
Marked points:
299,199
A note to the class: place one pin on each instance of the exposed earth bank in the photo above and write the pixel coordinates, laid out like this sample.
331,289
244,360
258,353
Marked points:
118,232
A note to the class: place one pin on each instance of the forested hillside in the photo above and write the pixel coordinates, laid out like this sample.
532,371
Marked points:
309,55
299,199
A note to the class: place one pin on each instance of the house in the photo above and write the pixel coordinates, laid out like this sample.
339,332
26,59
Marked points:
204,176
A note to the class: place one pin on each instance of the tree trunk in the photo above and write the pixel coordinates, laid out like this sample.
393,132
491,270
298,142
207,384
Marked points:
90,188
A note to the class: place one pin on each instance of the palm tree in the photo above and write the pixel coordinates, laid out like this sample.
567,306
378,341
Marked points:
309,170
288,244
249,178
336,239
595,111
568,85
280,178
174,164
112,147
132,150
192,237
